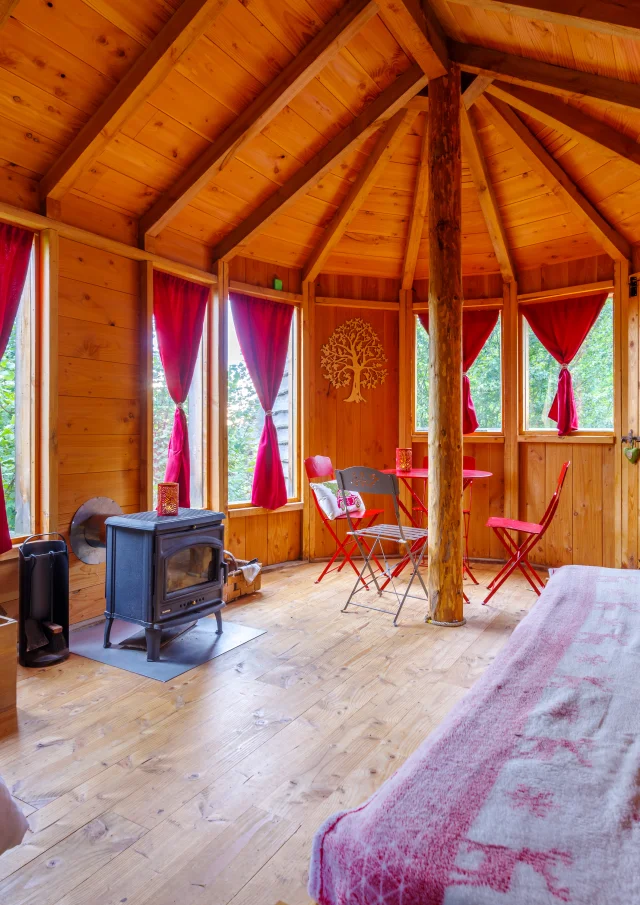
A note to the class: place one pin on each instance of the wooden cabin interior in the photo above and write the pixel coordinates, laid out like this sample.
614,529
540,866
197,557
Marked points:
239,235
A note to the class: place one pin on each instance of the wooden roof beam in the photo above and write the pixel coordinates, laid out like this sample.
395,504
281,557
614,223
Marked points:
546,76
303,68
527,145
481,179
418,215
365,124
477,87
417,30
607,17
6,8
554,112
389,139
187,24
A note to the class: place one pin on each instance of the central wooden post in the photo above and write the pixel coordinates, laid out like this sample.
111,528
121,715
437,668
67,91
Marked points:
445,351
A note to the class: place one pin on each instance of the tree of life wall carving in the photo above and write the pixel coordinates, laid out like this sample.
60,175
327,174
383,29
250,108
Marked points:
354,353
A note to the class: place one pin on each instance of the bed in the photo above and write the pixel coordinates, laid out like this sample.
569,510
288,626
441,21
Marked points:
529,792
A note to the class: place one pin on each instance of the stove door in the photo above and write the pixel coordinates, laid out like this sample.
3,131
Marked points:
189,571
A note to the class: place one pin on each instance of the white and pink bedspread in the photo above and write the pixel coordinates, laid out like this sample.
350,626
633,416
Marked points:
529,792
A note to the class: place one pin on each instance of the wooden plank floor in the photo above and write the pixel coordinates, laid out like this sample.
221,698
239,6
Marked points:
207,790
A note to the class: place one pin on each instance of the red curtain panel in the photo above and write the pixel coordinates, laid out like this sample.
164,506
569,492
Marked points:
263,330
562,326
178,308
477,326
15,248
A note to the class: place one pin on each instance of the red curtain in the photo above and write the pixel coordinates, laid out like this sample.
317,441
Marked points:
179,308
477,326
562,326
263,330
15,248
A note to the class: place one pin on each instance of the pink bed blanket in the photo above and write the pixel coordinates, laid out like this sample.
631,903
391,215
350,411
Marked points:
529,792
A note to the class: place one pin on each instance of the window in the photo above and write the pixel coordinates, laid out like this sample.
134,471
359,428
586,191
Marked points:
245,418
485,375
591,372
163,413
17,414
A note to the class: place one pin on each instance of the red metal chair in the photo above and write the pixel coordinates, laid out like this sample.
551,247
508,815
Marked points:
518,553
322,467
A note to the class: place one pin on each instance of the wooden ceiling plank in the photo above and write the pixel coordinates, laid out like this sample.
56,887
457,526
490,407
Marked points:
6,8
537,157
418,215
390,137
607,17
417,30
189,23
302,70
551,111
476,162
477,87
307,177
532,73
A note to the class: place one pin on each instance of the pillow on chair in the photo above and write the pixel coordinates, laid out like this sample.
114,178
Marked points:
332,501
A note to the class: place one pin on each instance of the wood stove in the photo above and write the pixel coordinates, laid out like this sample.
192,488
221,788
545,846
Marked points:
164,571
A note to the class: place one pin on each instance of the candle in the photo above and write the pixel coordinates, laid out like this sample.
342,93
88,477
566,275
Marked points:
167,498
403,459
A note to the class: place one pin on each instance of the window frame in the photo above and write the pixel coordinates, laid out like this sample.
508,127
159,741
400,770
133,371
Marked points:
550,435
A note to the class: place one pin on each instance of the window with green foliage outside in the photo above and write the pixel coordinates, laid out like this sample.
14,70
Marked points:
245,419
485,375
591,373
163,413
17,411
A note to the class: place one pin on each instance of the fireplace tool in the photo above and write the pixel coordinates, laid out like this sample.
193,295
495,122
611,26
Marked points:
43,633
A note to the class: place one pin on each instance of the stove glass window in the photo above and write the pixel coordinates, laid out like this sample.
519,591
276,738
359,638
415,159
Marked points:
190,567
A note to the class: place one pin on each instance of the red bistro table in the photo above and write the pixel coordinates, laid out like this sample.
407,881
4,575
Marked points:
468,475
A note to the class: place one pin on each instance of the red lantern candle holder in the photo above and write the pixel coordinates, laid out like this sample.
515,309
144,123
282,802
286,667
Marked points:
404,458
167,498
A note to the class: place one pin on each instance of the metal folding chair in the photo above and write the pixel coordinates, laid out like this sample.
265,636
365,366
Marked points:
518,553
413,540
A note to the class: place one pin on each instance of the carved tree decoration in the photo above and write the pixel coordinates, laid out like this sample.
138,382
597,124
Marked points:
354,352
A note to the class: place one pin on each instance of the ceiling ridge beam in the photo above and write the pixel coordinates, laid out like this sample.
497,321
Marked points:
608,17
532,73
554,112
365,124
388,141
488,204
186,26
538,158
417,30
304,67
418,214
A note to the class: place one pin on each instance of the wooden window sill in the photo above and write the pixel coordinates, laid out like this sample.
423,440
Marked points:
244,511
580,437
480,437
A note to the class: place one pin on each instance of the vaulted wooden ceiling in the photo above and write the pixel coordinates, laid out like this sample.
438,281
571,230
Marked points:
293,131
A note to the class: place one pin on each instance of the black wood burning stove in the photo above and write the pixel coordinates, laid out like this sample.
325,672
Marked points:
164,571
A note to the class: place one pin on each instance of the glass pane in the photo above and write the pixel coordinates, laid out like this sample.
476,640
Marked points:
245,419
16,415
591,371
163,414
189,567
485,376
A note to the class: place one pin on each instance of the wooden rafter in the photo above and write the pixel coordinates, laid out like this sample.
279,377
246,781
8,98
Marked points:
538,158
6,8
187,24
418,214
480,175
365,124
535,74
302,69
390,137
477,87
419,33
608,17
554,112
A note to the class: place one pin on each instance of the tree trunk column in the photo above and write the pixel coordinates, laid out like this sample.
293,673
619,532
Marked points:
445,351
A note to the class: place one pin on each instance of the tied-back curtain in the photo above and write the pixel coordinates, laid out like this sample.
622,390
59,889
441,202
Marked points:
179,308
263,330
15,249
477,326
562,326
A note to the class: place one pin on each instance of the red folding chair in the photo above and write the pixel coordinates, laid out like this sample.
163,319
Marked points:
518,553
322,467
